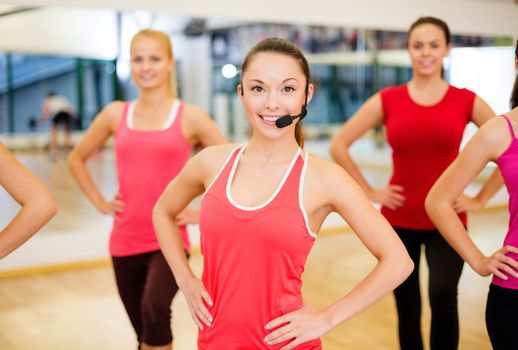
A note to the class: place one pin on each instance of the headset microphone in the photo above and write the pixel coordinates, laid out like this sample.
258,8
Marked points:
287,119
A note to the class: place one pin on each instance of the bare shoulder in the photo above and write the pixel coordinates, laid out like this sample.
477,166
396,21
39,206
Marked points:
320,167
325,176
490,141
193,113
213,157
111,114
495,132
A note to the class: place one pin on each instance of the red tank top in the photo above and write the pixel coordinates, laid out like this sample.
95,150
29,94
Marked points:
424,141
253,258
146,162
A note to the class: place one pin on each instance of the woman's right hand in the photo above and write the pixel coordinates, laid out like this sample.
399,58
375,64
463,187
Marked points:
114,207
197,298
390,196
499,263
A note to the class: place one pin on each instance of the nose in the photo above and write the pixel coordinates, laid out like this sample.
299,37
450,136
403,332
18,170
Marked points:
272,100
146,64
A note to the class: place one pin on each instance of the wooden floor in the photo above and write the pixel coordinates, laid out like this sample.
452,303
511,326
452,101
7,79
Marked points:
80,309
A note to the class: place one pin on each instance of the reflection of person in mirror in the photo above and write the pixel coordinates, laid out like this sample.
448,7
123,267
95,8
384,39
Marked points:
424,121
61,112
262,207
37,205
154,136
496,141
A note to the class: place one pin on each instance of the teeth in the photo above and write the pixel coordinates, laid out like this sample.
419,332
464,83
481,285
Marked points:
270,119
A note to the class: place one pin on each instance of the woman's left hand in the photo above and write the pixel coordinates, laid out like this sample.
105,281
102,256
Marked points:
188,216
299,326
466,204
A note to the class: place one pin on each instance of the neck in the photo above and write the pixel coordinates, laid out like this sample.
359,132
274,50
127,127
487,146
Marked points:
433,81
267,150
155,96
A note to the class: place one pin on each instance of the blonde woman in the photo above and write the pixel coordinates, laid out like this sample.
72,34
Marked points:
154,136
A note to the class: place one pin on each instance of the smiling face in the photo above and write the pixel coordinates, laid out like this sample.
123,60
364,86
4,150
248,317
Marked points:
427,47
151,62
273,85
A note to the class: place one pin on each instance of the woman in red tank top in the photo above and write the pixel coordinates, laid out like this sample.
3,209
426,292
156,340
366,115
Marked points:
424,121
154,136
263,203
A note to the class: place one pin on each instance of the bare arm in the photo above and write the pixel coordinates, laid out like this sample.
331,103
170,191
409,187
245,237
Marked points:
485,146
367,117
45,111
200,128
481,114
394,265
96,136
178,194
37,204
491,186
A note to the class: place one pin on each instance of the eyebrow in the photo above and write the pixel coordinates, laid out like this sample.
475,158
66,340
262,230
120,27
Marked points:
432,41
262,82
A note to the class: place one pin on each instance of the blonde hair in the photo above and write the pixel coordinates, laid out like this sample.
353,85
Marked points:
163,38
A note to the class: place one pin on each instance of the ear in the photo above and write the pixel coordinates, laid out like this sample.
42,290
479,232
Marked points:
311,89
239,90
448,48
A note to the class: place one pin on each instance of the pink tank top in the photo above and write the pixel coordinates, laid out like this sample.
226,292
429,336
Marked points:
253,258
508,164
146,162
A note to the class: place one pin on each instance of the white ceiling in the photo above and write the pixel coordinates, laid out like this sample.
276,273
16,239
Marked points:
486,17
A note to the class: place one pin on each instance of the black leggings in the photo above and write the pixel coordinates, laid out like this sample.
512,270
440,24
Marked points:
502,317
147,287
445,268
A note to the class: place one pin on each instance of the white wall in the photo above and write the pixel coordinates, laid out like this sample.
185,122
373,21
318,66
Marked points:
86,33
488,71
196,71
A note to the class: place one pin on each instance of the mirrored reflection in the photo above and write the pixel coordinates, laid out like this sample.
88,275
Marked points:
349,65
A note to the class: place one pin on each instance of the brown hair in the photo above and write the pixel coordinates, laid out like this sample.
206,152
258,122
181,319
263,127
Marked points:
436,22
163,38
514,94
283,47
